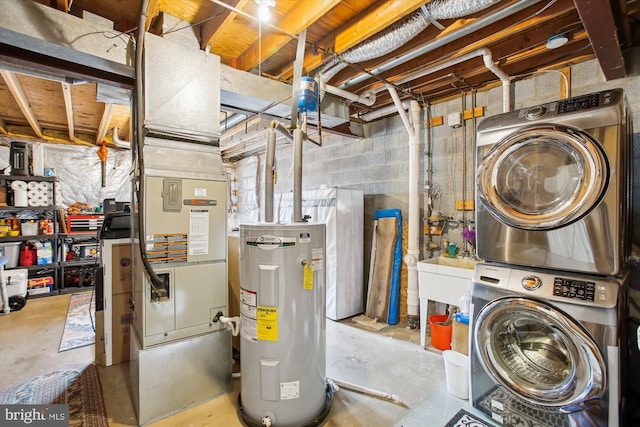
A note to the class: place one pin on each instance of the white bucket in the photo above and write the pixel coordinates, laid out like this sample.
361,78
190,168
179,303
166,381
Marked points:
456,369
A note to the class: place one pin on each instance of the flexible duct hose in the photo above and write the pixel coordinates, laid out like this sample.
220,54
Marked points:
402,32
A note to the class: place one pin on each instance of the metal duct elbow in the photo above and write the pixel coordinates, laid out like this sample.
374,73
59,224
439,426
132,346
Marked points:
118,142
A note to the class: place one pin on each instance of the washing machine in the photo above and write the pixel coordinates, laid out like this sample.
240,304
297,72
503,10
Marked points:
545,347
553,185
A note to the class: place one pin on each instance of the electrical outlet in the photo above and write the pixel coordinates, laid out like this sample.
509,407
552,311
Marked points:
454,120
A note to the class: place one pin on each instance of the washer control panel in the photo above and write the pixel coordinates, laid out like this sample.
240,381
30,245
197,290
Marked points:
578,103
578,289
547,285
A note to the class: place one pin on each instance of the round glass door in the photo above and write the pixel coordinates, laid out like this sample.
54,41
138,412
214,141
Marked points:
543,177
539,354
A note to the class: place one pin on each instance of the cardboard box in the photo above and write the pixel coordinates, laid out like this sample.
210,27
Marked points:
121,268
120,332
121,271
44,253
41,290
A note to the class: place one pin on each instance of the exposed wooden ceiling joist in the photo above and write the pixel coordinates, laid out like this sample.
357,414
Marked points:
599,21
295,21
3,127
352,33
18,94
218,25
68,107
105,123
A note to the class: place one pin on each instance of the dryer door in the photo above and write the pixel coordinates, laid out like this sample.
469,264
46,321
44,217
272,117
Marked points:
543,177
540,354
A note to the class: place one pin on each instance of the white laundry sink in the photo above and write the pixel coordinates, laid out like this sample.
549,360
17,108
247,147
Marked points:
444,280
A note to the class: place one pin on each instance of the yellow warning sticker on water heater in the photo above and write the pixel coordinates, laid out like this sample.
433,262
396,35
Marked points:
308,277
267,323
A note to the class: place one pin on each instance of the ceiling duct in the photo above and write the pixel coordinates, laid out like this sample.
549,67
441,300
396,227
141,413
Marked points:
402,32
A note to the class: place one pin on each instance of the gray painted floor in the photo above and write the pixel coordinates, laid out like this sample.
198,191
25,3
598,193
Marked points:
389,361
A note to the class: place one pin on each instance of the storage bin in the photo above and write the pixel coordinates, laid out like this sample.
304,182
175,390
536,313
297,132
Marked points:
12,251
29,228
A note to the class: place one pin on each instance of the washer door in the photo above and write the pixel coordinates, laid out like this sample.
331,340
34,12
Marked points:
543,177
539,353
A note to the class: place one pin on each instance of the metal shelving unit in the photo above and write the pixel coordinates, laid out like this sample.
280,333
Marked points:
54,237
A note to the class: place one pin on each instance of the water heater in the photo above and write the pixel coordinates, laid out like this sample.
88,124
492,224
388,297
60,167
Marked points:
283,325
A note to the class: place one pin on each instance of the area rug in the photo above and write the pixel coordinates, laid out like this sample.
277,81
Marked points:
79,329
465,419
77,386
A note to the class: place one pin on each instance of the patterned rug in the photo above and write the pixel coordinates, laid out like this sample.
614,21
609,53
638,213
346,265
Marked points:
77,386
79,329
465,419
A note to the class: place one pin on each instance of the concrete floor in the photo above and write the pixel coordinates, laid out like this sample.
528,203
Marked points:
390,361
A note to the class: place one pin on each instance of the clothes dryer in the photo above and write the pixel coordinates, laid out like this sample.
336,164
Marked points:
553,185
545,347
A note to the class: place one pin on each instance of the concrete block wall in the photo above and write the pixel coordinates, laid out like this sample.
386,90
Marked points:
378,165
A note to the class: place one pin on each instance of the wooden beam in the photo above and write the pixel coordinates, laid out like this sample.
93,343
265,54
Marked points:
68,107
105,123
597,18
3,127
18,94
359,30
63,5
298,19
153,10
218,25
565,83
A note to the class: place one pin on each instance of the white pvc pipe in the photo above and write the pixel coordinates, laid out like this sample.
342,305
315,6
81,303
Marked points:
413,234
488,62
384,111
119,142
367,99
413,127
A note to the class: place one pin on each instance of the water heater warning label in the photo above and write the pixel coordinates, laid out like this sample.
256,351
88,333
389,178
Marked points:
249,328
267,318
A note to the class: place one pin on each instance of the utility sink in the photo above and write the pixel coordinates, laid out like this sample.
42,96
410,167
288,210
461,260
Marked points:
436,265
444,280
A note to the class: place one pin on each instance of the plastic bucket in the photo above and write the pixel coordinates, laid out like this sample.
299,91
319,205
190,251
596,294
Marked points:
440,335
456,370
12,251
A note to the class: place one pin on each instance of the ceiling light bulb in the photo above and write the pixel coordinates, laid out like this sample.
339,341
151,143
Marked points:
264,14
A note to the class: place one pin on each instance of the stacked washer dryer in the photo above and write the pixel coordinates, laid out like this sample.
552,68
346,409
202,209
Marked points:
553,228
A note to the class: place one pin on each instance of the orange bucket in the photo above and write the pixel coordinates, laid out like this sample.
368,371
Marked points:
440,335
